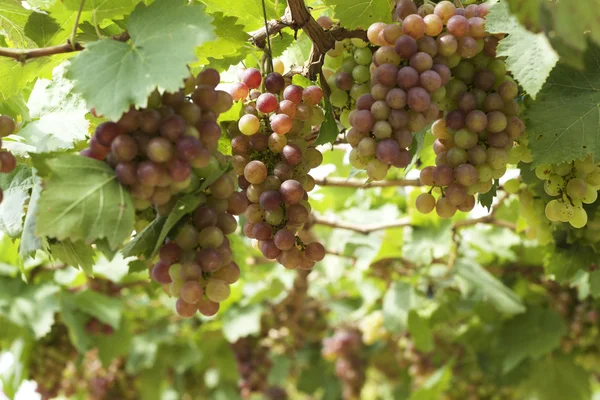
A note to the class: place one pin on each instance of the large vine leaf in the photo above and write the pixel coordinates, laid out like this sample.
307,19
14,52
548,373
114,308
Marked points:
82,200
228,45
557,378
564,122
249,13
564,263
112,75
362,13
76,254
13,17
102,9
16,187
532,334
529,56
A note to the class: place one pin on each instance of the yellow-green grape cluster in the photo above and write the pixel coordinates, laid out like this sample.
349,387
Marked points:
531,209
195,264
346,69
272,158
372,328
574,184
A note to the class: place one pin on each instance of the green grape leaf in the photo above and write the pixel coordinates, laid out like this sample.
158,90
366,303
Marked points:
563,263
144,242
487,199
563,123
27,305
362,13
104,308
82,200
420,331
576,23
529,56
435,385
77,254
75,321
115,345
13,17
102,9
249,13
41,28
16,187
29,242
527,11
533,334
57,118
14,76
488,287
113,75
230,40
557,378
329,130
242,321
594,282
398,301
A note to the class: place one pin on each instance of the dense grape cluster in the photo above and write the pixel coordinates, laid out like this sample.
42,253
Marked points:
8,162
196,263
272,158
253,365
345,347
162,152
574,183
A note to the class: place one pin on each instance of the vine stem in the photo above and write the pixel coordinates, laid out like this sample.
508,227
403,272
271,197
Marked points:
74,33
270,51
359,183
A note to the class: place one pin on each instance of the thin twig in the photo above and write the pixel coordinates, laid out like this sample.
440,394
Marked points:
361,184
270,51
362,229
74,33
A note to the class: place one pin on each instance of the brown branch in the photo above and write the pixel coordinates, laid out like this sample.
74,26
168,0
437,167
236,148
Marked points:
362,229
23,55
359,183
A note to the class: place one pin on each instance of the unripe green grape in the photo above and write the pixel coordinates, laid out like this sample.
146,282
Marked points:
585,165
338,98
515,154
543,171
361,74
498,68
497,158
499,173
356,160
527,157
363,56
217,290
425,203
358,90
551,211
591,194
444,208
345,119
593,178
554,185
576,188
512,186
562,169
564,210
348,64
485,172
274,217
175,272
439,94
579,218
377,170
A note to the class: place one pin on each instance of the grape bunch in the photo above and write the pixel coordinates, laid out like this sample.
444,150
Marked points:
345,347
196,263
346,69
372,328
8,162
160,151
253,365
272,158
574,183
531,209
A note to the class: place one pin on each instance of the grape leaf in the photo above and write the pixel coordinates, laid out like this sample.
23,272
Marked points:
14,77
13,17
144,242
421,332
527,11
529,56
398,301
249,13
564,263
29,242
362,13
242,321
487,199
102,9
40,28
113,75
230,40
57,117
82,200
488,287
16,187
104,308
564,122
533,334
329,130
435,385
576,22
557,378
77,254
75,321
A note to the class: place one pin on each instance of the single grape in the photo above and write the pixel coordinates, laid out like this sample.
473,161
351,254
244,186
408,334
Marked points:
425,203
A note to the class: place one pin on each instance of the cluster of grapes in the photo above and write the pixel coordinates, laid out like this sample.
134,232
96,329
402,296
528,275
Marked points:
531,209
158,152
52,354
575,183
475,141
272,159
8,162
372,328
196,263
253,365
582,318
345,347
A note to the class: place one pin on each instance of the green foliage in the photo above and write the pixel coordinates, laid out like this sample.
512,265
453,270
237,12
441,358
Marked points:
563,122
361,14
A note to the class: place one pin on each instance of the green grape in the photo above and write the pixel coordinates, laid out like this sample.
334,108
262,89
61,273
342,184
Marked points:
345,119
499,172
543,171
358,90
527,157
554,185
591,195
338,98
485,172
356,160
175,272
512,186
348,65
593,177
361,73
377,170
564,211
551,210
562,169
515,154
576,188
498,68
363,56
585,165
579,218
217,290
439,94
